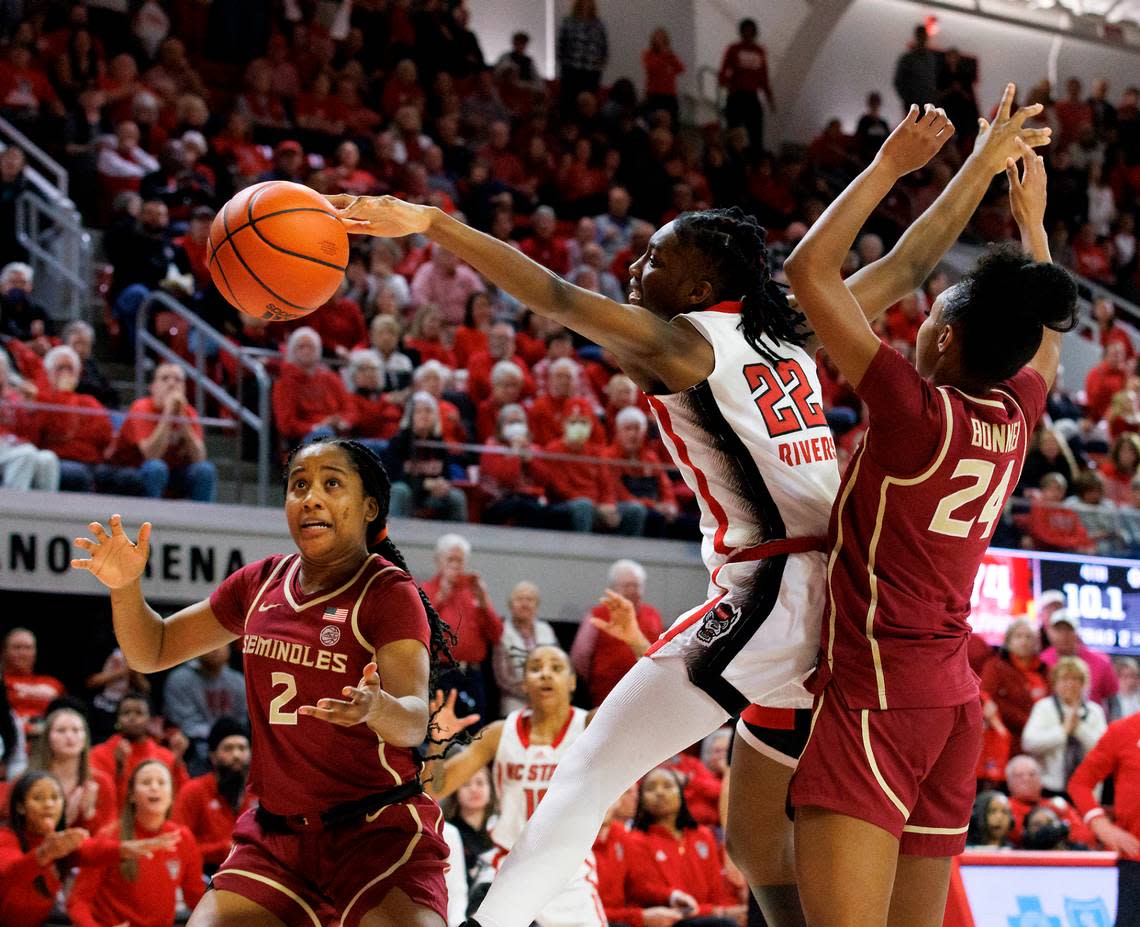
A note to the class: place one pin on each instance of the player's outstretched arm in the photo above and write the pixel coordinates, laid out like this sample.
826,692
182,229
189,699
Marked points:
149,643
628,331
903,269
814,268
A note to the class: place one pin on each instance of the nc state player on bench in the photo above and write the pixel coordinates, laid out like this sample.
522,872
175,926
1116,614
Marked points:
884,788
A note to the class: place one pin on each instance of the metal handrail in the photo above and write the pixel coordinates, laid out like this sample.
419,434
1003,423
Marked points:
46,163
208,336
61,245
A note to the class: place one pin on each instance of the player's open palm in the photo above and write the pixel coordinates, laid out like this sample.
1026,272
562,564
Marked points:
383,216
359,703
917,139
116,561
444,723
999,142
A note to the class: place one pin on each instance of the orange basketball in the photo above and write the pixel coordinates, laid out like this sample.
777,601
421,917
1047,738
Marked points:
277,251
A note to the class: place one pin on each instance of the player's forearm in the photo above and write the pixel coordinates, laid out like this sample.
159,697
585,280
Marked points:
139,629
1035,243
508,268
403,721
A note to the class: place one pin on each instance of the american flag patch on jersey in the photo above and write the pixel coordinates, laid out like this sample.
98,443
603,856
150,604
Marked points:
339,615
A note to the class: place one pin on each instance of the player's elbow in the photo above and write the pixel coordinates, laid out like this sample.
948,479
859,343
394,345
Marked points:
797,267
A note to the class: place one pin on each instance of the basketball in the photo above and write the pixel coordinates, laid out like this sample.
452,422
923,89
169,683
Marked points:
277,251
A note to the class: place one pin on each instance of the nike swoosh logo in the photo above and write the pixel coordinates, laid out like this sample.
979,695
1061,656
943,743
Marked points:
265,606
369,818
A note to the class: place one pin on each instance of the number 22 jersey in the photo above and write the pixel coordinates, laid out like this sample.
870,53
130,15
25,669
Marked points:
300,648
916,511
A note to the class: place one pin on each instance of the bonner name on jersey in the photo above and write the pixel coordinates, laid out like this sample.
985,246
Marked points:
1000,438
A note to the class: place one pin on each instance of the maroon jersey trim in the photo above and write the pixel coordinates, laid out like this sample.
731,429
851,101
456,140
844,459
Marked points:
387,873
261,591
288,584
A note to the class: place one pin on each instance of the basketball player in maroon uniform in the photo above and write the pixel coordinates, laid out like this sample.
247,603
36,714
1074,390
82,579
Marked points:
883,792
343,825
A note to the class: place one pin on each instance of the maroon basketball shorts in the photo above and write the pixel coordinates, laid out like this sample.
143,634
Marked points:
299,876
910,771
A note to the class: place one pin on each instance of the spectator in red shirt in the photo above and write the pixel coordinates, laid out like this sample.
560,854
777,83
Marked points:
64,751
433,378
1092,259
500,347
662,68
309,400
612,852
346,175
426,338
905,318
1016,678
702,788
544,245
599,655
121,754
1023,776
1073,112
340,325
504,164
1104,314
641,478
402,89
548,412
1121,468
194,244
1053,526
209,805
744,73
509,478
1107,379
677,863
471,336
506,389
637,243
141,892
376,419
318,110
25,90
462,599
162,437
28,694
583,493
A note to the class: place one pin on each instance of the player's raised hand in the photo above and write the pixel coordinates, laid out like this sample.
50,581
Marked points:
622,622
997,143
915,140
116,560
383,216
1027,189
444,725
360,701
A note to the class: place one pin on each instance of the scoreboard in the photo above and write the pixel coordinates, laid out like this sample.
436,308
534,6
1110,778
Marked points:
1104,592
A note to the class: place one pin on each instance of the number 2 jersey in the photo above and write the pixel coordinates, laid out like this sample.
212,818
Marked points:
300,648
915,514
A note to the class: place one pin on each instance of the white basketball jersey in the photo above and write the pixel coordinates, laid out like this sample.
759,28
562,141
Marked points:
751,441
523,771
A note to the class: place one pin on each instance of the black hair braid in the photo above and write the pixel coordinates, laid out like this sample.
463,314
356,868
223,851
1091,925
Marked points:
376,484
733,243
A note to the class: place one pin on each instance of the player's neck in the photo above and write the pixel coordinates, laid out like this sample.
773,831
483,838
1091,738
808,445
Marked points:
313,577
546,726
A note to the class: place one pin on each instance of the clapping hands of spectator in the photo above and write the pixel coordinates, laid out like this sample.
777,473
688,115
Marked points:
444,724
81,802
622,623
683,902
479,590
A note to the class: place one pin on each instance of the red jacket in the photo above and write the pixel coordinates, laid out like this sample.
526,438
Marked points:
640,480
487,419
546,414
102,757
1078,830
101,895
301,401
477,629
603,660
22,903
374,416
30,694
468,342
1014,691
432,350
1055,527
612,856
1116,754
1102,383
504,474
208,816
479,368
661,864
83,437
564,479
552,253
340,323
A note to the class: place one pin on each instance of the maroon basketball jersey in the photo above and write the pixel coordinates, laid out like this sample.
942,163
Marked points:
915,513
300,648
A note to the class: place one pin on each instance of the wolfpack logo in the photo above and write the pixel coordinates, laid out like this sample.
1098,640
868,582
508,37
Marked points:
717,621
330,634
174,867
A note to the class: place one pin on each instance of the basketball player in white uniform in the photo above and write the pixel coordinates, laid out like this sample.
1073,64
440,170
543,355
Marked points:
729,373
525,749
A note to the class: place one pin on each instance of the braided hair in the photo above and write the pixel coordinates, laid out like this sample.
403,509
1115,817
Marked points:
733,245
377,485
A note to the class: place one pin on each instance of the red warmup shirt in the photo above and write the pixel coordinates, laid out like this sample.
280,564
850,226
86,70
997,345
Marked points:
468,342
106,803
552,253
661,71
565,479
340,323
1102,383
375,415
1055,527
102,896
744,68
102,757
611,659
139,426
299,648
477,629
479,369
208,816
1114,333
1116,754
661,864
22,903
80,436
611,855
915,514
29,695
547,414
301,401
431,350
1078,830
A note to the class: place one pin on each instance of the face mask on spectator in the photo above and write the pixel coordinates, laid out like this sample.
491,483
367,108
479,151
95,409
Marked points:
576,432
15,295
515,431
